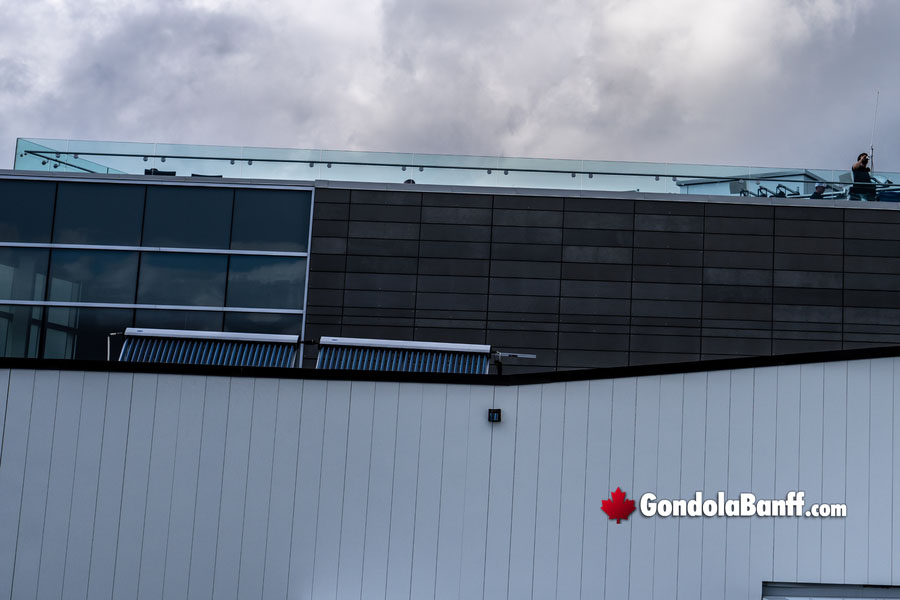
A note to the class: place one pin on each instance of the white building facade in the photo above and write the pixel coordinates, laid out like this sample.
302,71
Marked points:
119,484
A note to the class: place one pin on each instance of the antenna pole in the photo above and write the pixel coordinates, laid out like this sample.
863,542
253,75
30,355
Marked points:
872,143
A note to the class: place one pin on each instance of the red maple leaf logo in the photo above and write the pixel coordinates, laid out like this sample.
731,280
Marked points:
618,507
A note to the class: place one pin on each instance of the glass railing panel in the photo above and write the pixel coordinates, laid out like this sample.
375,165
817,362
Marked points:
436,169
685,171
186,167
30,156
267,169
281,154
461,177
370,158
186,160
76,163
724,180
451,161
623,183
49,143
604,167
539,180
196,151
87,147
111,157
372,173
540,165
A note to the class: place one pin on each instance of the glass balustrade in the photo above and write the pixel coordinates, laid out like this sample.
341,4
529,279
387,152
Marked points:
435,169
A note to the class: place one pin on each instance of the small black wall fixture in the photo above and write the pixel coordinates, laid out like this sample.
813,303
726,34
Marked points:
494,415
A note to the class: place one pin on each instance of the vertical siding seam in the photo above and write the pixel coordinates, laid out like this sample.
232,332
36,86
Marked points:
221,488
775,456
12,580
365,531
9,373
37,583
612,395
487,524
680,489
437,540
656,481
822,477
728,475
340,539
562,462
97,489
197,485
287,586
122,486
705,431
633,469
587,437
799,368
271,476
412,553
846,453
869,465
465,493
537,488
680,474
74,471
752,437
146,492
512,491
391,504
246,485
172,485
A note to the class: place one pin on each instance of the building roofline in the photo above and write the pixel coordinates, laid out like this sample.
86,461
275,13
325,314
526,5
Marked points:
439,189
752,362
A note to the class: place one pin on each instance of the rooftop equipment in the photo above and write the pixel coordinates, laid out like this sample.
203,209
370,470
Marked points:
359,354
176,346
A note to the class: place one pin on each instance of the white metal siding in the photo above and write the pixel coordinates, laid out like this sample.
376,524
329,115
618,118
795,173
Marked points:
167,486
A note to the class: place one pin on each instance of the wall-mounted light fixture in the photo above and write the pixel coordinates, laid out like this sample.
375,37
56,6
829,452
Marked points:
494,415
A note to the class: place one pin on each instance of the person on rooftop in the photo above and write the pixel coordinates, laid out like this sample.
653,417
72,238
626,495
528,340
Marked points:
819,193
863,188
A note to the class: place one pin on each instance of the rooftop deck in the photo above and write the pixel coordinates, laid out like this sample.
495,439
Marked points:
135,158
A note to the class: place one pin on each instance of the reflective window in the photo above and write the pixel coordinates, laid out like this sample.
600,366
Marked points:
93,276
82,333
192,320
99,213
20,331
263,323
182,279
23,273
271,220
187,217
266,282
26,210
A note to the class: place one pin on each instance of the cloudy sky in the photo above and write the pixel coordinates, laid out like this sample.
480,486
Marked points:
745,82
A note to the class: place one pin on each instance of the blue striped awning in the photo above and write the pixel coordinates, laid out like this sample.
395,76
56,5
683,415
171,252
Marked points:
357,354
208,348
